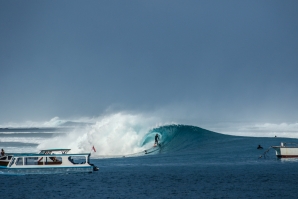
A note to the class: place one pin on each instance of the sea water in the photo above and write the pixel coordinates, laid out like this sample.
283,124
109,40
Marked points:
190,162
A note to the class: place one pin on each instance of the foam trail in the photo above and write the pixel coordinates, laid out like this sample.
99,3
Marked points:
116,134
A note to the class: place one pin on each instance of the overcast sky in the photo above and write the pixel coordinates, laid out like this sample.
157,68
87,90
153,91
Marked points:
209,60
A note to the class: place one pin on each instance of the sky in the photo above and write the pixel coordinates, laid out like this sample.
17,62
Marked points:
190,61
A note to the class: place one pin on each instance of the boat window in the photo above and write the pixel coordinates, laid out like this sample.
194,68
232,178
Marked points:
59,159
19,161
31,161
40,160
53,160
77,159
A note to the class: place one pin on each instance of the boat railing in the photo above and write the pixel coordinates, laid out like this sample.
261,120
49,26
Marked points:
50,151
289,144
5,157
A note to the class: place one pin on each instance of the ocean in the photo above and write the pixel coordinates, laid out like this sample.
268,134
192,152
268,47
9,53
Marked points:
191,162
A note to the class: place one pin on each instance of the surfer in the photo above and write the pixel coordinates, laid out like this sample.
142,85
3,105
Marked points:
260,147
2,152
156,140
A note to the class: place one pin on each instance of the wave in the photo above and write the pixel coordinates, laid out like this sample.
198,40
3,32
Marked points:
126,135
120,134
182,137
129,134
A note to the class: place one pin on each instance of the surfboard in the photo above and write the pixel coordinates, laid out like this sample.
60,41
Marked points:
155,145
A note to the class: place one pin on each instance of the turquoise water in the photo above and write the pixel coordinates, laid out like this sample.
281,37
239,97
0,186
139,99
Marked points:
191,163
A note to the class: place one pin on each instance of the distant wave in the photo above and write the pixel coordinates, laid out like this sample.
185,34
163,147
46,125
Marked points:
28,130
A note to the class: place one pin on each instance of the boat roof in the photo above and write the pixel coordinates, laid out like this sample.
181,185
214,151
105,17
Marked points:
49,151
50,155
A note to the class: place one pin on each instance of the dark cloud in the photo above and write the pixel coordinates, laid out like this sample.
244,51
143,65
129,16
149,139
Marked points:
227,60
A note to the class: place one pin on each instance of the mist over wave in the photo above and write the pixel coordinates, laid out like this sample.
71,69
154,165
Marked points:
115,134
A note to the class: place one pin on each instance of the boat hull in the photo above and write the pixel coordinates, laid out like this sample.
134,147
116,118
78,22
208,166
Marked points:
4,163
45,170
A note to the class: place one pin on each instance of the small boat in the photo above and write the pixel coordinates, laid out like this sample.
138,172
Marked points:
286,150
47,161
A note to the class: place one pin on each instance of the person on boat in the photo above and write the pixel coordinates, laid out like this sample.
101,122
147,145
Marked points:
156,140
2,152
260,147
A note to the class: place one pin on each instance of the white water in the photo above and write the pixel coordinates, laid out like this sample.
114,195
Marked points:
116,134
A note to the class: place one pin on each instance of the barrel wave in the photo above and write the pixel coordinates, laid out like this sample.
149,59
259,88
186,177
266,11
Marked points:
175,138
184,139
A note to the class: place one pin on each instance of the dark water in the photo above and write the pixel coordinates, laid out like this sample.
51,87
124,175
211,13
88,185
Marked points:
192,163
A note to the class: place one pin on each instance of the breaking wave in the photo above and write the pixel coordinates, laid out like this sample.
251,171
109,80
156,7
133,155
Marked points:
123,134
115,134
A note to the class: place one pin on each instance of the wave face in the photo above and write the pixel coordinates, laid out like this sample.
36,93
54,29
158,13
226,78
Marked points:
181,137
185,139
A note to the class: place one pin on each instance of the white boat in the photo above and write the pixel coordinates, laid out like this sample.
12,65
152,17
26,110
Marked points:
48,161
286,150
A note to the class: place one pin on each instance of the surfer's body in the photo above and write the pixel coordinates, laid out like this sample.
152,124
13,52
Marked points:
156,140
